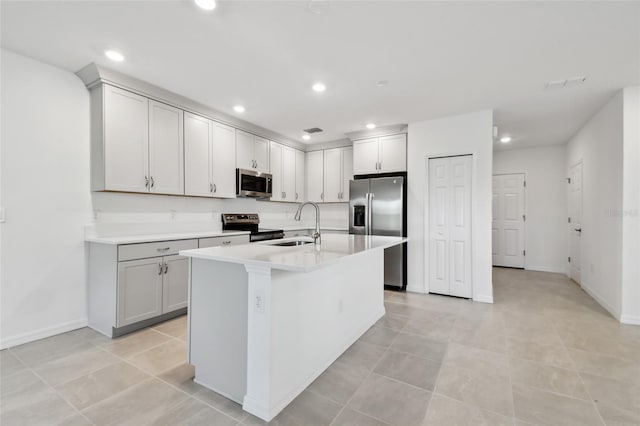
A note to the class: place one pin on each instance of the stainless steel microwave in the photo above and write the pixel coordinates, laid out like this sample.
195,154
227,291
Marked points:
250,183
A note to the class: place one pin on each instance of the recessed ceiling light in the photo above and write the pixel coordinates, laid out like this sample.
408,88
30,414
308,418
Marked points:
206,4
382,83
238,108
114,55
306,137
505,139
319,87
371,126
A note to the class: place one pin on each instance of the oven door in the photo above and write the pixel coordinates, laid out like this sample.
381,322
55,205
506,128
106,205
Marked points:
250,183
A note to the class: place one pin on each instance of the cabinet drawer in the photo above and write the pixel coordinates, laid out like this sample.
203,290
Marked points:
161,248
224,241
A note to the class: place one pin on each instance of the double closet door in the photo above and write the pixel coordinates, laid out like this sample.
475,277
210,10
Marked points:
450,226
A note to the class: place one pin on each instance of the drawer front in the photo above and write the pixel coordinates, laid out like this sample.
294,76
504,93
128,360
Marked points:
224,241
160,248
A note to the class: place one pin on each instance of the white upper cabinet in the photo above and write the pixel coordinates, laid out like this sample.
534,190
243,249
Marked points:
252,152
223,173
283,169
315,176
120,155
198,135
209,157
166,173
300,176
380,155
338,171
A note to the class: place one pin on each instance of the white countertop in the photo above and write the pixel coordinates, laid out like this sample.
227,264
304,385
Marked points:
303,258
148,238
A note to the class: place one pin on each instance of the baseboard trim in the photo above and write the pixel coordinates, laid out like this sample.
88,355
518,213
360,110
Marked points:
601,301
415,289
9,342
483,299
546,269
630,319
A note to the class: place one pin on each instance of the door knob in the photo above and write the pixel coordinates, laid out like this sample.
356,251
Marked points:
578,229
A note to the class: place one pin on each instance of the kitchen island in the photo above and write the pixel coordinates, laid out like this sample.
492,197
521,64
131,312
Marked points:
266,320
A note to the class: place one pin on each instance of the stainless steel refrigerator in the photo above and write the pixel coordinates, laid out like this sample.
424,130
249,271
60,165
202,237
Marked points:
378,206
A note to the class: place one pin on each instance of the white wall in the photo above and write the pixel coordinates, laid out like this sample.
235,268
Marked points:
545,172
462,134
631,207
599,145
45,190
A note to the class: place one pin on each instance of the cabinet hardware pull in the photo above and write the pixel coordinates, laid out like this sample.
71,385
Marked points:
146,181
285,195
152,182
159,268
380,164
166,267
210,187
322,195
215,188
226,243
296,195
163,249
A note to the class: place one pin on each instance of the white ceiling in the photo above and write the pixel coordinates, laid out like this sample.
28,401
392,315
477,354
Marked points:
439,58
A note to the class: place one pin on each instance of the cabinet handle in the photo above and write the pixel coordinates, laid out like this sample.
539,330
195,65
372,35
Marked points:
284,195
163,249
296,195
215,188
210,187
226,243
166,267
159,268
146,181
152,182
380,164
322,195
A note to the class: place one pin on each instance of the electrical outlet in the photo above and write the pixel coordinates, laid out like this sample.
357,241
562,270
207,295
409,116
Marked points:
258,301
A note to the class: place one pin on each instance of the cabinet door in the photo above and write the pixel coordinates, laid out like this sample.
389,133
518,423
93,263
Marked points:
175,283
393,153
126,140
166,149
315,173
347,172
139,290
261,154
332,175
300,174
276,171
197,155
223,170
365,156
289,174
244,150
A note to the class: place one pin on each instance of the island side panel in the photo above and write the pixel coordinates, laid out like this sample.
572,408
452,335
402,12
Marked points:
218,326
312,319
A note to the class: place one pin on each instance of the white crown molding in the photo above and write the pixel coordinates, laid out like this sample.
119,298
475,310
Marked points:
378,131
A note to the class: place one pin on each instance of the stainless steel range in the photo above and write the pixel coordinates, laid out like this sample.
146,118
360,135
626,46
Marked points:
249,222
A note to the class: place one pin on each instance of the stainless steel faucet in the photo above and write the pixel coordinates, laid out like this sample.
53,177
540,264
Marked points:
316,234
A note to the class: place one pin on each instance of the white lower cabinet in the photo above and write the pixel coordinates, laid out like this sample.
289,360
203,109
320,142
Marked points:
133,285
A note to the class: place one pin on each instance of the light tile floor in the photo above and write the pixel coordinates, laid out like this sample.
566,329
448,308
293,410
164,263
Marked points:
544,354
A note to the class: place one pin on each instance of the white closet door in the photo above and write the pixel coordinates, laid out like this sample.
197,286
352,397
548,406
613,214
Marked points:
460,226
575,222
450,226
508,220
166,149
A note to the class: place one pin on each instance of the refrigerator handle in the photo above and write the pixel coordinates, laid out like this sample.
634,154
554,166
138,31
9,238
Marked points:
369,214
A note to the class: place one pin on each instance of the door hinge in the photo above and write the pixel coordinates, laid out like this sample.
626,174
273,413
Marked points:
569,258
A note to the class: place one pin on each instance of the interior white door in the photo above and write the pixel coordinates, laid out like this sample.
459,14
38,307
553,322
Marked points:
223,165
450,226
197,146
166,149
575,222
507,227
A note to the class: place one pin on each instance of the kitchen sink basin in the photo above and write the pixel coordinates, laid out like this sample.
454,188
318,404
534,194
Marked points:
291,243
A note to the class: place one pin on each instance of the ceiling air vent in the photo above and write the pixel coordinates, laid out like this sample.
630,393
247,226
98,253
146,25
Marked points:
313,130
